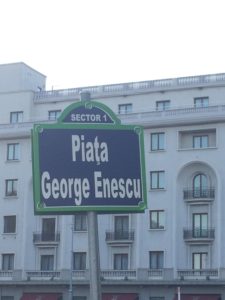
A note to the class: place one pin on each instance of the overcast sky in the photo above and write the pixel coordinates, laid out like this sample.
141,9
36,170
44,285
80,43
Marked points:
91,42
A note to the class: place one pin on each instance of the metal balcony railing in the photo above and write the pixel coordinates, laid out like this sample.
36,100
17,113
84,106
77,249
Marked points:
197,233
119,235
199,193
46,237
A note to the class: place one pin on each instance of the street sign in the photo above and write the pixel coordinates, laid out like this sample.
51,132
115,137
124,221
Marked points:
88,161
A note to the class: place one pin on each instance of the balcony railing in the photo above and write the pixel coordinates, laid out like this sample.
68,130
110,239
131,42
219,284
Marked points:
199,194
120,235
6,273
193,273
43,274
46,237
131,87
118,274
142,274
197,233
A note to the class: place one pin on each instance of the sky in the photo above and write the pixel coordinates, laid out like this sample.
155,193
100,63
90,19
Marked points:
79,43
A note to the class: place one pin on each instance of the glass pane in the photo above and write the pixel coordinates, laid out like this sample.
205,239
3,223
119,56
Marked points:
161,141
196,142
161,180
154,220
204,261
159,106
153,260
205,142
160,260
161,219
205,102
204,221
196,261
154,142
154,180
204,182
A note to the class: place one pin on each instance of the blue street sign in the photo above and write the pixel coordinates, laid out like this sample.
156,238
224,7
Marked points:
96,165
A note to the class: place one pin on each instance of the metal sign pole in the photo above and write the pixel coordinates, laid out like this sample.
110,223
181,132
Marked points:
94,261
71,267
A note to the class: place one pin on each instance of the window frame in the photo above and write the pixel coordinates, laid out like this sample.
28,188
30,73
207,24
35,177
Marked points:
13,151
201,190
53,115
7,227
201,142
122,260
16,117
201,254
159,185
47,265
202,229
162,105
79,260
125,108
121,227
80,222
11,187
10,261
159,259
48,229
158,147
202,102
160,224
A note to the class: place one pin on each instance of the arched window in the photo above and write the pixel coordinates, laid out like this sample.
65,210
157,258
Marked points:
200,186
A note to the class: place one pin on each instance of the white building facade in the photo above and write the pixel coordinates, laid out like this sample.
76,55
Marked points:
178,244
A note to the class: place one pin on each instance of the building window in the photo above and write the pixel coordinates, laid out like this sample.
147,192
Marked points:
48,229
157,180
201,102
125,108
200,186
121,227
156,259
7,262
13,151
9,224
79,261
54,114
47,262
162,105
199,260
157,219
80,222
120,261
201,141
157,141
11,187
16,117
200,225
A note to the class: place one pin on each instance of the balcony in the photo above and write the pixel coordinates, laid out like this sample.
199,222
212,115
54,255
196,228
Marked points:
199,195
118,274
42,275
198,274
128,276
119,237
133,87
46,238
199,235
